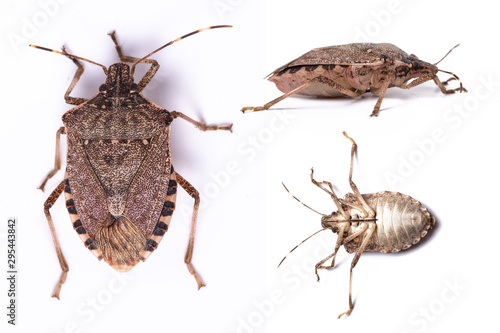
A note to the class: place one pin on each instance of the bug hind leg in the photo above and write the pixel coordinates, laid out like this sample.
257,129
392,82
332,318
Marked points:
370,229
317,80
62,261
189,251
366,209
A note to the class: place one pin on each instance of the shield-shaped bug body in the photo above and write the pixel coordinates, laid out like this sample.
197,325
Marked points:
381,222
120,185
352,70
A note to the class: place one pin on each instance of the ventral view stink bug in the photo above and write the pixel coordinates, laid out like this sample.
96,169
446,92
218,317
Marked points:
120,185
352,70
384,222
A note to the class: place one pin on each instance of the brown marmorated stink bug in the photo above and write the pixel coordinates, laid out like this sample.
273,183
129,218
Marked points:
381,222
120,185
352,70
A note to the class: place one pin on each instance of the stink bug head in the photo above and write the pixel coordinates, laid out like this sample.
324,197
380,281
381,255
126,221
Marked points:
119,82
332,221
419,68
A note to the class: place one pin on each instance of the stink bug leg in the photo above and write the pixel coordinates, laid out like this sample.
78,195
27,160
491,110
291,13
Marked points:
62,261
120,186
123,58
385,222
318,81
189,251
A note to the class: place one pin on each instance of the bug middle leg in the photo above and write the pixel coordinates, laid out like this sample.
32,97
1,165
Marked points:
370,229
384,88
319,79
189,252
62,261
201,126
57,162
151,71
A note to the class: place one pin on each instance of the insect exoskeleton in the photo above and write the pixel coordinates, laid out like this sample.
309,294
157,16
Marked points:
400,221
381,222
120,184
352,70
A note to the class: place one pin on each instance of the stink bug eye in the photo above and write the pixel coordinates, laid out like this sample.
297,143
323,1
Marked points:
134,87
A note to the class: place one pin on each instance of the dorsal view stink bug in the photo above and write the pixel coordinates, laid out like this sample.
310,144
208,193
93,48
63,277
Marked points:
381,222
352,70
120,185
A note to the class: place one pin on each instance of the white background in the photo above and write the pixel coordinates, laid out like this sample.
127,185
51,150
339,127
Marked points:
248,222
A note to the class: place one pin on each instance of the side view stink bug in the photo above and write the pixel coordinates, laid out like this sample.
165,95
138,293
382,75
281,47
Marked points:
120,185
381,222
352,70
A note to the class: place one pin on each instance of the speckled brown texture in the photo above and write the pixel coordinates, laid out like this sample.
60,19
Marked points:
350,54
120,186
360,67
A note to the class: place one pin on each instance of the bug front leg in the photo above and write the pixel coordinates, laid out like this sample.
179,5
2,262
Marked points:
151,71
442,87
57,162
340,241
201,126
62,261
76,78
189,252
317,80
370,229
332,195
436,80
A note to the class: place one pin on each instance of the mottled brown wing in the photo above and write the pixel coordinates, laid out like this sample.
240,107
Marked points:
147,191
89,196
118,172
348,54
